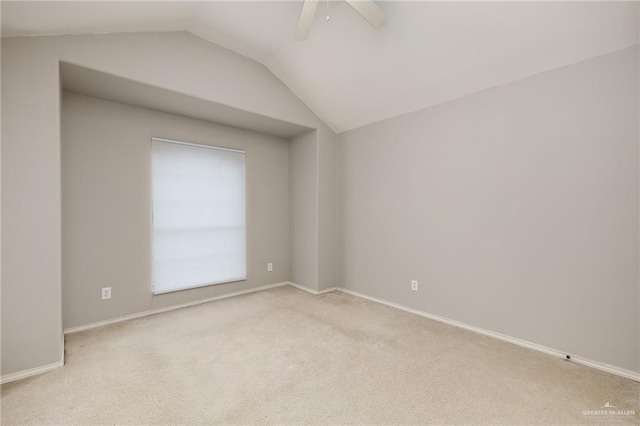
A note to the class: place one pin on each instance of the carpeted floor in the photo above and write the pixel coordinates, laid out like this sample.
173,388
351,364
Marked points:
284,356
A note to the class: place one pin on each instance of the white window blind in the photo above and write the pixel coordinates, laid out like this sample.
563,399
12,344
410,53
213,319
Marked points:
198,215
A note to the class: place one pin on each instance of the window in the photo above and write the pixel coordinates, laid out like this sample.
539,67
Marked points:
198,215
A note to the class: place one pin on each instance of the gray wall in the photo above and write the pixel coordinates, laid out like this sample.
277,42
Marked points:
328,214
106,206
314,210
303,209
31,197
515,208
31,315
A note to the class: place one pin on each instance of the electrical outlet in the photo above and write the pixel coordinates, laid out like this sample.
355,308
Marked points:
269,267
414,285
106,293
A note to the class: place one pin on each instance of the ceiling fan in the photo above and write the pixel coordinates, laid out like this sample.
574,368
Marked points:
367,8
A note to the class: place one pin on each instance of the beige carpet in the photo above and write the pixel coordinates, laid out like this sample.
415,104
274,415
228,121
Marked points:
284,356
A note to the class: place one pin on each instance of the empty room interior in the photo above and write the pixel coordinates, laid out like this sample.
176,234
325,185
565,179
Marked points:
320,212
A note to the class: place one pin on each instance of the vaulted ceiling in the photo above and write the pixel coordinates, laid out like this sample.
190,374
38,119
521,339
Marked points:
352,74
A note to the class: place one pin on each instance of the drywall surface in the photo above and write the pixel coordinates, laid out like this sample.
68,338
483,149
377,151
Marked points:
303,209
31,316
515,208
106,206
31,200
313,210
196,68
101,85
327,213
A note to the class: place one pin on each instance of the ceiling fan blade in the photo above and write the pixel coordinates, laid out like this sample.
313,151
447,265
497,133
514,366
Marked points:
306,19
369,10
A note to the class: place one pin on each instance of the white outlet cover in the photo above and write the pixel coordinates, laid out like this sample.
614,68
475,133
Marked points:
414,285
269,267
106,293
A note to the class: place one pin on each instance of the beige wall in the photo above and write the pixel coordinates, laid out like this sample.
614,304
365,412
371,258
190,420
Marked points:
515,208
327,213
31,316
31,200
314,210
106,206
303,196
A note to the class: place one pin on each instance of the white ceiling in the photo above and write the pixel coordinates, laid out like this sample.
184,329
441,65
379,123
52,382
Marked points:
352,74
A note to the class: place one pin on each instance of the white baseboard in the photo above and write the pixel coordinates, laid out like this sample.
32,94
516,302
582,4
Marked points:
98,324
513,340
31,372
303,288
311,291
